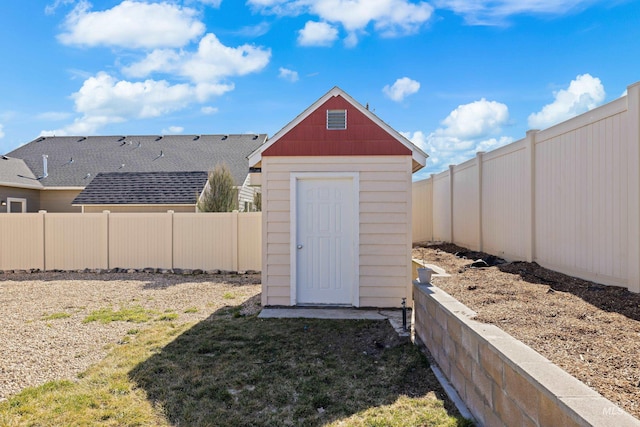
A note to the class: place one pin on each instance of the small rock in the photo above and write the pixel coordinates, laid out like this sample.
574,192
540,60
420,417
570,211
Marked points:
479,263
198,271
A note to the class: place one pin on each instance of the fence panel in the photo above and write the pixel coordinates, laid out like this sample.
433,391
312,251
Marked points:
140,240
21,241
441,207
205,241
249,241
466,205
581,200
421,212
504,202
76,241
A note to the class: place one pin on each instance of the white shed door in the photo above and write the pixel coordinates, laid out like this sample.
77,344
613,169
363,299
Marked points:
325,241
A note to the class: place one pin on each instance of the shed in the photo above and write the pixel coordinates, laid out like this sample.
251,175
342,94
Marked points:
336,188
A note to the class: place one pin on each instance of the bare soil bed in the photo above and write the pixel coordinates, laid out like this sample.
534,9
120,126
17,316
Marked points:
44,334
589,330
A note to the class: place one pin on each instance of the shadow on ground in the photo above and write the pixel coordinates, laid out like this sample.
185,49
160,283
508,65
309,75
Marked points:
608,298
231,370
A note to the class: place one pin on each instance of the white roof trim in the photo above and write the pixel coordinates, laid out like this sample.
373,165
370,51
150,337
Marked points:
62,188
25,186
418,155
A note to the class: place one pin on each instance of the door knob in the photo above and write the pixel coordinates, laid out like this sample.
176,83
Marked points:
299,246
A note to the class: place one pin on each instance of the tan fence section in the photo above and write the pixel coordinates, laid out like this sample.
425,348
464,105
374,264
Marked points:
141,240
21,241
69,241
74,241
567,197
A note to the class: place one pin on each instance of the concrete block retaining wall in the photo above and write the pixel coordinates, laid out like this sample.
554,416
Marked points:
501,380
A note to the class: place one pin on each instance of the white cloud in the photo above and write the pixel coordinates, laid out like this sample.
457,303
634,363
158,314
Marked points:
1,131
476,119
172,130
103,100
494,12
132,25
212,61
466,130
401,89
289,75
388,17
209,110
583,94
317,34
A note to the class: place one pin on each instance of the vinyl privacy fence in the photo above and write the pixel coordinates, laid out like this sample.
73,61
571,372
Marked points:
567,197
65,241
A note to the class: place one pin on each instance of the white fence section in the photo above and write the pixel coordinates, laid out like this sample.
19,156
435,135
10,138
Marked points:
567,197
73,241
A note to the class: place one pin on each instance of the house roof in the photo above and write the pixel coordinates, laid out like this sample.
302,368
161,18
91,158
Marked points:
73,161
419,157
16,173
143,188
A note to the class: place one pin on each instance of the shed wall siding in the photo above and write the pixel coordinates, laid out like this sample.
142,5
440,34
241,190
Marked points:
384,216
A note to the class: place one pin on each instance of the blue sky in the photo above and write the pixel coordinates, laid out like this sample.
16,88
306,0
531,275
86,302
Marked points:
453,76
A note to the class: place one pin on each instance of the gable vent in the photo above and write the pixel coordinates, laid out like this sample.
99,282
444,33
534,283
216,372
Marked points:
336,119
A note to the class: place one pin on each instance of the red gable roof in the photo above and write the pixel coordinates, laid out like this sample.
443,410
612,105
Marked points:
365,134
362,136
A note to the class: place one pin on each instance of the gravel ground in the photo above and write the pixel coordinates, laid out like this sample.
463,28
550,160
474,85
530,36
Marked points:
35,350
591,331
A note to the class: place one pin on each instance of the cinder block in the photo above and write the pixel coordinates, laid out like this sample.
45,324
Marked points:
507,410
441,317
482,383
431,307
463,362
491,364
458,381
445,366
475,403
470,343
491,419
454,328
551,414
449,346
525,394
528,422
436,333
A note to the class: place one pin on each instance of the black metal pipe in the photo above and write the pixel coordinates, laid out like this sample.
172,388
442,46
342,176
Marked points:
404,314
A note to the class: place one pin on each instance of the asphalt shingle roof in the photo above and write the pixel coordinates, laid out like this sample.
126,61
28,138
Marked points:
16,172
143,188
73,161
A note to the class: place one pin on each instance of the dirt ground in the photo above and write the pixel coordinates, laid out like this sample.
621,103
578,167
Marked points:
591,331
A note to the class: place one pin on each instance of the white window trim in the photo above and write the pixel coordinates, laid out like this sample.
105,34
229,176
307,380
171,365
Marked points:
16,200
293,224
